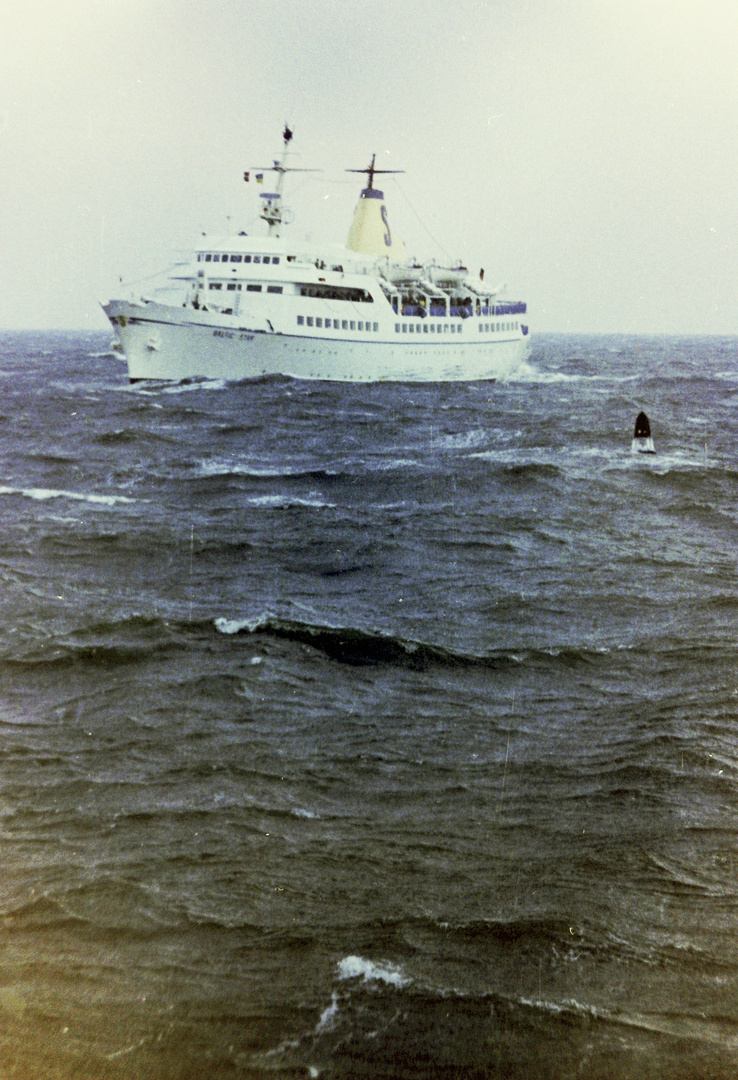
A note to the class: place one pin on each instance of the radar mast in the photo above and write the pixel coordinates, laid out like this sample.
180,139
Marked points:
272,210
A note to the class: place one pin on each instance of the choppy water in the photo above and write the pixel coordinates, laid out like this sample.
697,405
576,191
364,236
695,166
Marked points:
369,730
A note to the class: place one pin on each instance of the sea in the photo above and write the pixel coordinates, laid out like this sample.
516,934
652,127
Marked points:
380,731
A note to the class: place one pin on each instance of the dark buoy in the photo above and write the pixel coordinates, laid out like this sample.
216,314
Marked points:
642,441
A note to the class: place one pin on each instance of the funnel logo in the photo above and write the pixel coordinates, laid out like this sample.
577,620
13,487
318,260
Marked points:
387,234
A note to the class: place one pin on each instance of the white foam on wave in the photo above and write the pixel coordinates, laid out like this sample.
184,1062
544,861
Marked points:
356,967
226,467
717,1031
281,502
42,494
154,387
329,1016
524,372
464,440
235,626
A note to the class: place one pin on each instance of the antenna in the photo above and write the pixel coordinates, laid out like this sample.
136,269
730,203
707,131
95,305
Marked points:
272,210
372,172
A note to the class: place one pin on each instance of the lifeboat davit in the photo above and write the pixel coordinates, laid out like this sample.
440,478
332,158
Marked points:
448,276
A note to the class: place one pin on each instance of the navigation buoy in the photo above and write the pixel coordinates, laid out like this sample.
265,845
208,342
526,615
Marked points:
642,441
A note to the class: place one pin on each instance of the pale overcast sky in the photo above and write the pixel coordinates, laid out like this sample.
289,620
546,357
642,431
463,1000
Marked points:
583,151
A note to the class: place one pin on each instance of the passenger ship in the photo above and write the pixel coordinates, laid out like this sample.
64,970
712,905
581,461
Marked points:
248,307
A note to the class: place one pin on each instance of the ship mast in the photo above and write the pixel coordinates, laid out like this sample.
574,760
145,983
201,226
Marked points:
272,210
372,172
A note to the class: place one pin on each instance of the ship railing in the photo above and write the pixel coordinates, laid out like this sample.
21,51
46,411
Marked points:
511,307
462,311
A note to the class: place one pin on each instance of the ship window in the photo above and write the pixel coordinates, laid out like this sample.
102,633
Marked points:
360,326
274,288
404,328
353,325
253,288
300,320
336,292
265,259
215,285
425,327
208,258
235,258
319,322
231,286
310,320
247,258
397,328
344,324
257,258
275,260
336,324
376,327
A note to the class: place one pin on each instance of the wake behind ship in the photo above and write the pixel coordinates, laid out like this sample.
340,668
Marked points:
245,307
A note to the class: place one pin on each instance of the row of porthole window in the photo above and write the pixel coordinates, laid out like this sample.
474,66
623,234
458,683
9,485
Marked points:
234,286
211,257
426,328
485,327
337,324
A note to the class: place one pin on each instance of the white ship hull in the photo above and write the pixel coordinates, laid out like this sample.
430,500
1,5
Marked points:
167,343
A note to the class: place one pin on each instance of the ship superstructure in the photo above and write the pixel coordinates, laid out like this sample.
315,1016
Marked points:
247,307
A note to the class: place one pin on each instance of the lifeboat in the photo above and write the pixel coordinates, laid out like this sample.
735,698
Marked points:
447,277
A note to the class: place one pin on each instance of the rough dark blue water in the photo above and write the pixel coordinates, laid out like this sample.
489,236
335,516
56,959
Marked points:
378,731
